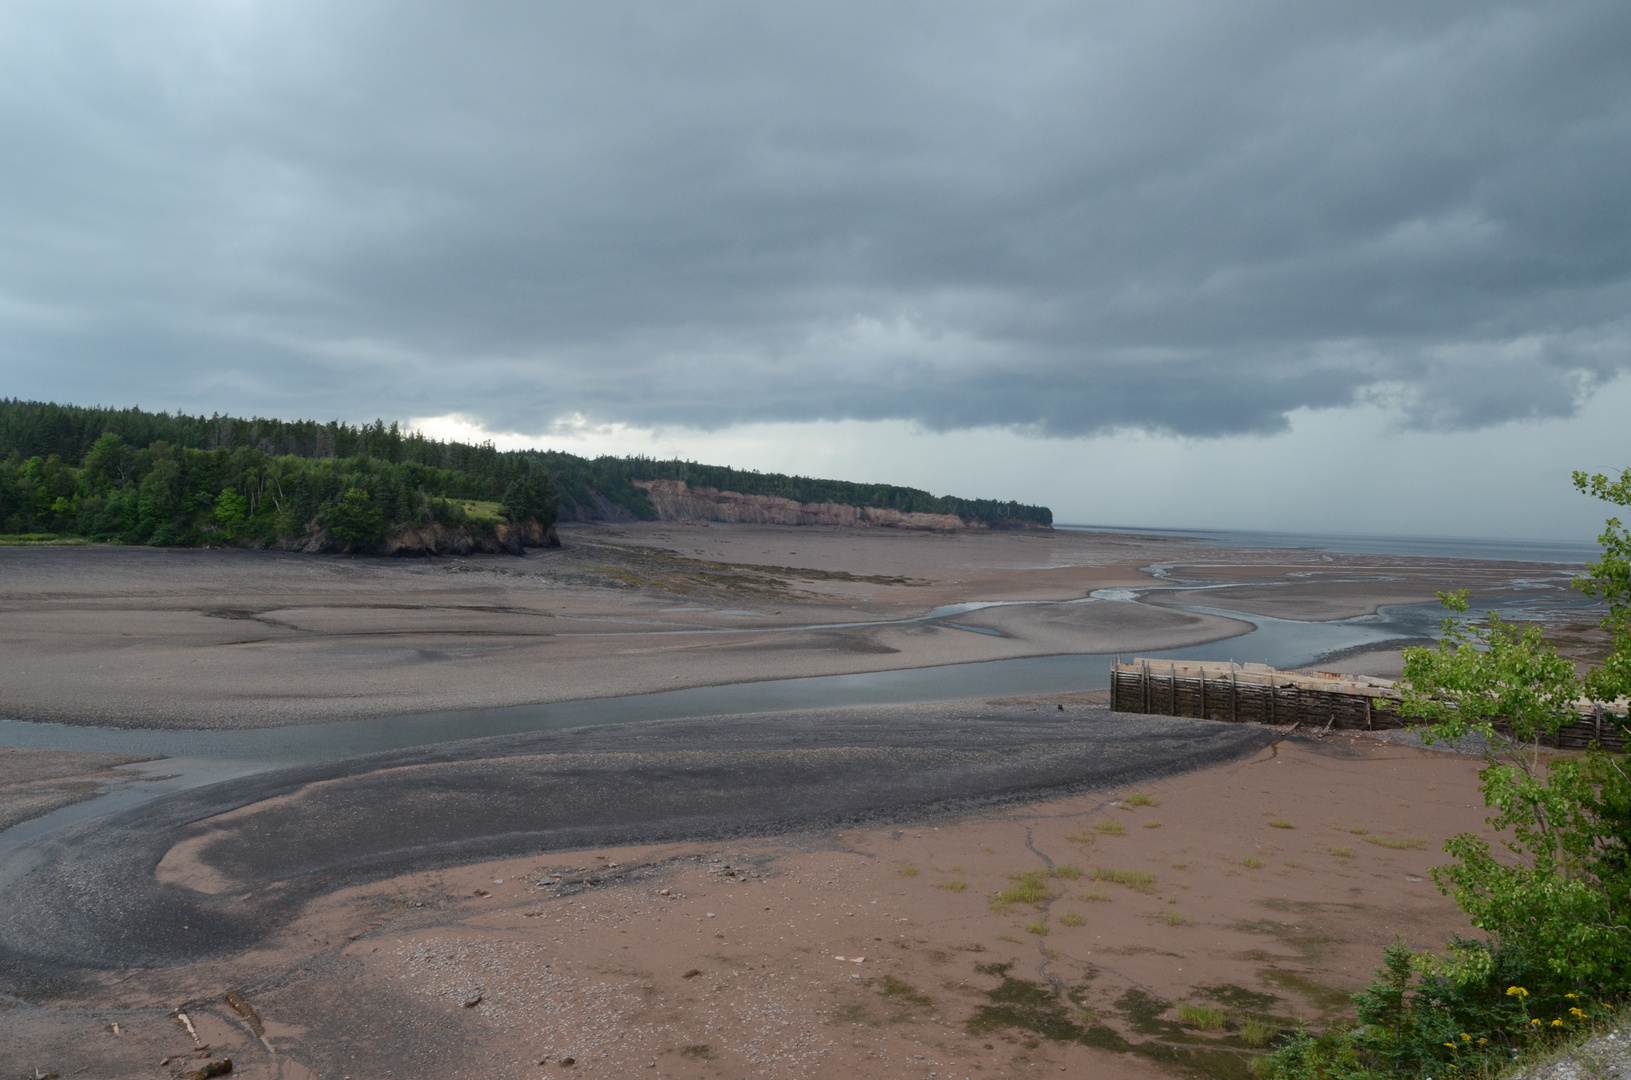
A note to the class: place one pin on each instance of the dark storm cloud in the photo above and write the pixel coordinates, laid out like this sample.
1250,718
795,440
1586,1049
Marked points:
1183,216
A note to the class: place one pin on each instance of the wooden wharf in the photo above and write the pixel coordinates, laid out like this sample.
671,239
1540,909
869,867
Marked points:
1323,701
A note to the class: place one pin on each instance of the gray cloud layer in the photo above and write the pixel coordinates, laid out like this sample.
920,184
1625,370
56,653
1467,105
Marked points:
1186,216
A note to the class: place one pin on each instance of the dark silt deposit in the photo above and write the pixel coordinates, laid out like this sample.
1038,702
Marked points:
89,897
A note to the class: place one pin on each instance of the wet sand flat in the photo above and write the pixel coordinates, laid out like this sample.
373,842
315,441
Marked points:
1264,887
188,638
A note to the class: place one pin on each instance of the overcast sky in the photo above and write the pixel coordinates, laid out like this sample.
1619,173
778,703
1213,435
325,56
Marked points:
1097,255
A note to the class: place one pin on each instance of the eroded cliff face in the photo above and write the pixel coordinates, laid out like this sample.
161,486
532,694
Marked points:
675,500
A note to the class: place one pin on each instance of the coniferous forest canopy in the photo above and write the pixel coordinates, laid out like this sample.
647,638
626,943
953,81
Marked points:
131,476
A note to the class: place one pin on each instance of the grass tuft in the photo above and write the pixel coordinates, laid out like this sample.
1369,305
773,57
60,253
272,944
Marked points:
1256,1032
1031,888
1152,824
1342,852
1281,823
1096,896
1141,800
1251,864
1142,880
1082,837
1067,871
1110,828
1205,1017
1070,918
1038,928
951,886
1404,843
908,871
1010,937
1172,918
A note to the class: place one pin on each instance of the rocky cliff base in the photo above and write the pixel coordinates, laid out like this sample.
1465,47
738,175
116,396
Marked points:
435,539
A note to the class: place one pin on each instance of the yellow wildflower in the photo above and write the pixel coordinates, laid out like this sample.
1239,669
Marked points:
1450,1045
1581,1013
1516,991
1568,995
1537,1023
1557,1023
1465,1037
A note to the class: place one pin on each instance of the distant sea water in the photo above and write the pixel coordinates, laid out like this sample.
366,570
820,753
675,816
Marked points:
1441,547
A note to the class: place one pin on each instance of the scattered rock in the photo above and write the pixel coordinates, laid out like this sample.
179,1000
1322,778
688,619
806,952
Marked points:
223,1067
473,1000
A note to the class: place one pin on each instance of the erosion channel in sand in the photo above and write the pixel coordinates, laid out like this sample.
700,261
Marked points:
798,697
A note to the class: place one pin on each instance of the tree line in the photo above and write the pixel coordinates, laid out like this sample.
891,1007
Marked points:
133,476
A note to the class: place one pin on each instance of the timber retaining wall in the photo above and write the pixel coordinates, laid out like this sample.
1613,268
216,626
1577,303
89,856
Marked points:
1255,693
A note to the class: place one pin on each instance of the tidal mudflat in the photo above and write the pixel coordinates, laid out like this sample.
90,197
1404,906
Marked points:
215,639
1160,927
391,914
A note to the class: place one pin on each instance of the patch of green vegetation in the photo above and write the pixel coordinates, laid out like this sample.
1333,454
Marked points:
1141,800
908,871
1172,918
39,540
1012,938
951,886
1145,1014
1142,880
1067,871
1110,828
1021,1005
1038,928
1238,997
1325,998
1097,896
1082,837
1152,824
1252,863
1342,853
699,1050
1204,1017
484,512
1031,887
1281,823
1070,918
891,987
1313,945
1403,843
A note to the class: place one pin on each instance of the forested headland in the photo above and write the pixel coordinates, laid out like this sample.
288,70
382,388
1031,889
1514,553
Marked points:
136,477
